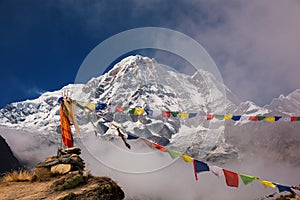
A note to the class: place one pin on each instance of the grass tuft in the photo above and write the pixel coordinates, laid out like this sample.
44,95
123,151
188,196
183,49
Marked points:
18,176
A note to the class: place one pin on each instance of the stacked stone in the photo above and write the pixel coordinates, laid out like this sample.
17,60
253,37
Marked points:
64,162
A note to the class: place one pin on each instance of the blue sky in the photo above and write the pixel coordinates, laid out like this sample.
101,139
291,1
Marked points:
255,44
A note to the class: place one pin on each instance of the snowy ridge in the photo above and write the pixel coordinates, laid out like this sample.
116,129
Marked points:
288,105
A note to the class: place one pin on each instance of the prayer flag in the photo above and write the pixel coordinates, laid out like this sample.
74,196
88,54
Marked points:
174,154
148,112
266,183
90,106
227,117
139,111
131,137
202,117
191,115
294,118
209,116
244,117
232,178
129,110
220,117
159,147
286,119
270,119
186,158
101,106
277,118
184,115
174,114
65,128
260,118
80,106
218,171
112,109
200,166
166,114
236,117
119,108
283,188
156,113
68,108
247,179
253,118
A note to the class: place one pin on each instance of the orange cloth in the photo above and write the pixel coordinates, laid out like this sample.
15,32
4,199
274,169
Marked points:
65,128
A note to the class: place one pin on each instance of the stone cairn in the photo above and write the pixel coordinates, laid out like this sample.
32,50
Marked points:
65,161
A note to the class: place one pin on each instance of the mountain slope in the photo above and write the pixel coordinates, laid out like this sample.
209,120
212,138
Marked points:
141,82
136,81
287,105
8,161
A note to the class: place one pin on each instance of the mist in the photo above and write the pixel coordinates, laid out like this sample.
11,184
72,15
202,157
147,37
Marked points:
27,147
174,179
146,173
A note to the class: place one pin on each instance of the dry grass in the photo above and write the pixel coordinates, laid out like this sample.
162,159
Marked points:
18,176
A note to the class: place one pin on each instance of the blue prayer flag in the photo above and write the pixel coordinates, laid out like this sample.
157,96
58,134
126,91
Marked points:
101,106
200,166
283,188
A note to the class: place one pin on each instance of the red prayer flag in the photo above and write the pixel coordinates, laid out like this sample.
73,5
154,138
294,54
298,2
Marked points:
232,178
294,118
166,114
159,147
253,118
120,108
209,116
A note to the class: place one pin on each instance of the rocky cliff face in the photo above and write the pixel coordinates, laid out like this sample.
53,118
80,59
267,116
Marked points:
8,161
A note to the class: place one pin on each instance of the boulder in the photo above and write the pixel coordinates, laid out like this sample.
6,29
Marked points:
42,173
65,161
61,168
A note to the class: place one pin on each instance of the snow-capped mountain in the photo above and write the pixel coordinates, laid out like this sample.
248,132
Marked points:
141,82
288,105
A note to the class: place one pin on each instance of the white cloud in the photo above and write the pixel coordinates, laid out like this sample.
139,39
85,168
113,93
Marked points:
256,48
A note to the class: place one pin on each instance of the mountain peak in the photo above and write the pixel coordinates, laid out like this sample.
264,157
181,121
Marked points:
131,63
288,105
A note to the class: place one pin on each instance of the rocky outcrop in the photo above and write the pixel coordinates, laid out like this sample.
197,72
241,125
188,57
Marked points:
63,177
8,162
64,162
74,185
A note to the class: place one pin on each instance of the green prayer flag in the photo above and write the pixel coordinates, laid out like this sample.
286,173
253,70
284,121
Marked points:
131,110
247,179
174,114
174,154
220,117
260,118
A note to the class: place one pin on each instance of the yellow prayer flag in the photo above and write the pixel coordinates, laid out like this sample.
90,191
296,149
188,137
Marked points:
186,158
227,117
139,111
90,106
270,119
184,115
266,183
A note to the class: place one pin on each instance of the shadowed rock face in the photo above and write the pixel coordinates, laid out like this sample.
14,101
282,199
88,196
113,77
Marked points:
8,161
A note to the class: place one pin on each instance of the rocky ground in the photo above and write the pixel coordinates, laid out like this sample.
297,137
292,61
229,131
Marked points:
94,188
60,177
